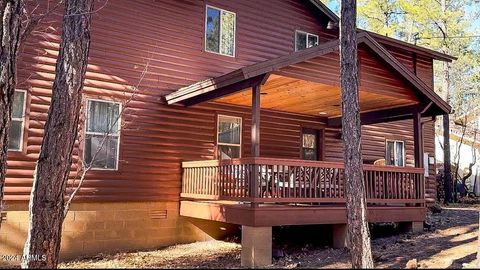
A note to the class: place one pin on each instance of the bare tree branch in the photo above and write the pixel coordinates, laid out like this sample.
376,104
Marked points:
31,22
85,168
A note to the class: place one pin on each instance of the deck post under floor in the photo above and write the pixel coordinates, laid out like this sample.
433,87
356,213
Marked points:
413,227
340,239
256,246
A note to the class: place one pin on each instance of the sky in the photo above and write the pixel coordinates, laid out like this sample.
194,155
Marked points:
476,23
474,28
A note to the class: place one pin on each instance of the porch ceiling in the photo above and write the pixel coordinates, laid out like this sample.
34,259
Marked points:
312,98
307,81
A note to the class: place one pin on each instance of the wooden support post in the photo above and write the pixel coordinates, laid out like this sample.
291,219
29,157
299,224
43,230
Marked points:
411,226
256,121
340,236
418,138
256,246
255,152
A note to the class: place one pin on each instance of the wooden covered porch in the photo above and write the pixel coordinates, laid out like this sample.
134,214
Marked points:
295,192
266,191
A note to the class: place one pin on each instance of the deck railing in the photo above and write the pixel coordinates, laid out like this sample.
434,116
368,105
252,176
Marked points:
263,180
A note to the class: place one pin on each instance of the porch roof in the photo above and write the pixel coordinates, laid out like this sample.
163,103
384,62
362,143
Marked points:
241,79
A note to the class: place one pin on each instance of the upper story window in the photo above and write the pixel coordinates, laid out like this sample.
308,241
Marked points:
304,40
395,153
229,137
15,135
220,31
102,134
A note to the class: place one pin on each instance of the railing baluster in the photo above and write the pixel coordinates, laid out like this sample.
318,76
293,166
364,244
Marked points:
400,186
372,183
243,181
365,183
284,187
397,177
185,180
288,186
416,185
330,178
303,185
392,185
214,181
204,182
410,187
335,180
195,172
295,181
322,182
248,174
231,180
224,180
200,180
341,175
400,179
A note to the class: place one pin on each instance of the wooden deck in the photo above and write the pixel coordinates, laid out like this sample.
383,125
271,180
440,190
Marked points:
270,192
279,215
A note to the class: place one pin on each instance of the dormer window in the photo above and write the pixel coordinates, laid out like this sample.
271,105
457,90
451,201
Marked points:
304,40
220,31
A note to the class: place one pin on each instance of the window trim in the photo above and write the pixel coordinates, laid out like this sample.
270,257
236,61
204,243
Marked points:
229,144
22,134
85,133
307,35
395,151
220,32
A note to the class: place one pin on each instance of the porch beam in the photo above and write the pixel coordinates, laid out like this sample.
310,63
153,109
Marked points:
381,116
227,90
418,138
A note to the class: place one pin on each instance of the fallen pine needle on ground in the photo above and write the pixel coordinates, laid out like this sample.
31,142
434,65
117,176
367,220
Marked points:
451,242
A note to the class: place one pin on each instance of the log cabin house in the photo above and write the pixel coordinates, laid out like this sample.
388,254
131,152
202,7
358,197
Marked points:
236,120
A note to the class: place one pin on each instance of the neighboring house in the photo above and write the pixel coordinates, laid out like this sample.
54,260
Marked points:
253,83
464,148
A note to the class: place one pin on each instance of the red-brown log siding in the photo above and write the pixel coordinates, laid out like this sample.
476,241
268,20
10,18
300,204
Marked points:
155,138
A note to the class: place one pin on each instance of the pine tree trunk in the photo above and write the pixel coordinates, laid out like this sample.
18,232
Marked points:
448,181
478,243
447,169
10,14
53,166
359,235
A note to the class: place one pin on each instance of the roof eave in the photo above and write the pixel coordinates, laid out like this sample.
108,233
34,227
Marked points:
274,64
422,50
324,9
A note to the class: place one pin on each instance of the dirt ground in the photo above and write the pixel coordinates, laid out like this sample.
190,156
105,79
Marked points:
451,242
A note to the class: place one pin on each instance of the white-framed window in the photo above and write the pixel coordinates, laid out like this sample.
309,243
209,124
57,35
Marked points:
102,134
304,40
395,153
17,125
220,27
229,137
